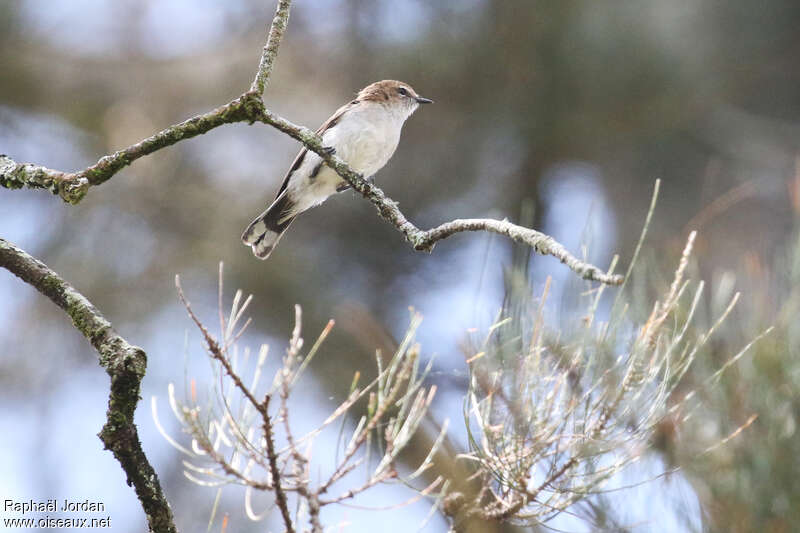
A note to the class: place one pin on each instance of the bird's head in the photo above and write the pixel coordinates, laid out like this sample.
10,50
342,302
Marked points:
393,94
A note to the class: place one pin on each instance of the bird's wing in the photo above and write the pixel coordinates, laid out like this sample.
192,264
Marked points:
331,122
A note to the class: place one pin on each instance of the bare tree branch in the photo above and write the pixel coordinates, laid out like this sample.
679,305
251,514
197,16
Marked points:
218,353
280,496
123,362
279,23
424,240
249,107
73,186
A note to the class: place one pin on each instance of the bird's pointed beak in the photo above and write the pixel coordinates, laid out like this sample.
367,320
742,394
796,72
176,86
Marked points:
421,100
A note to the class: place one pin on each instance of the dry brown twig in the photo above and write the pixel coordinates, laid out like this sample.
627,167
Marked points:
235,439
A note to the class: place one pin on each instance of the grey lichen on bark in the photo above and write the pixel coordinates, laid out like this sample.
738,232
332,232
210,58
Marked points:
73,186
125,365
15,175
249,107
424,240
270,51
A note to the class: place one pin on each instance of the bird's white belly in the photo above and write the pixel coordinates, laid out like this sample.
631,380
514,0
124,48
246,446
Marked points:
365,141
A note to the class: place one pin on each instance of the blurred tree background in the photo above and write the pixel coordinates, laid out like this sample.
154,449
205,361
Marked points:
555,114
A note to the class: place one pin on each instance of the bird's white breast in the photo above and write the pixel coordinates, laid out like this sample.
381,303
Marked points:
366,137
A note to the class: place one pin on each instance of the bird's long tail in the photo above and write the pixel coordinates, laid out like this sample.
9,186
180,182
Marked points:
265,231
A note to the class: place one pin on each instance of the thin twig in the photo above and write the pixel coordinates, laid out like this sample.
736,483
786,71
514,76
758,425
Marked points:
230,470
214,348
262,407
381,409
295,344
389,473
280,496
270,52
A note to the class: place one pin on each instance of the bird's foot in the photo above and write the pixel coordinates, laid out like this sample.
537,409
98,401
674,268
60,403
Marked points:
329,150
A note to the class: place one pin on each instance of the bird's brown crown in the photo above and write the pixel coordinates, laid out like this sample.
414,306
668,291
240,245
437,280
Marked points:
385,91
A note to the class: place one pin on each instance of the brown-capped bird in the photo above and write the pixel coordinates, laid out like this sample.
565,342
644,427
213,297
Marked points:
364,133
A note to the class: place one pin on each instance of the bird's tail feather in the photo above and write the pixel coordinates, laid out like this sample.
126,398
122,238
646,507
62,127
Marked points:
265,231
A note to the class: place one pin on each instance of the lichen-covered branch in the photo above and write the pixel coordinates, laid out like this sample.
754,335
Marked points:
73,186
123,362
270,51
540,242
15,175
424,240
249,107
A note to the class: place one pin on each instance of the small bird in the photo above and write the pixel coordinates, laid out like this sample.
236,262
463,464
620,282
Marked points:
364,133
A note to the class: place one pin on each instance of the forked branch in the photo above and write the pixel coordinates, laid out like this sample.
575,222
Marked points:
249,107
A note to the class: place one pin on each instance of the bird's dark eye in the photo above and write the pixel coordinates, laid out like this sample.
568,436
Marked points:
403,91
